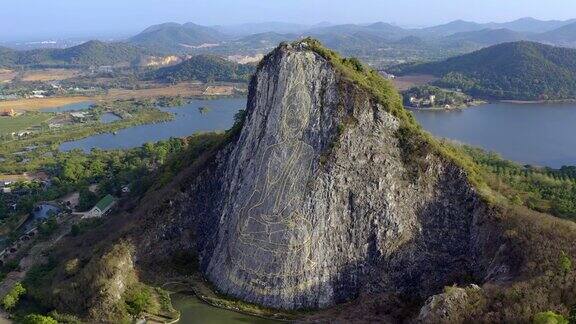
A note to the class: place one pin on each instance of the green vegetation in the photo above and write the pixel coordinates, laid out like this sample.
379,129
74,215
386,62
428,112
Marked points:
48,227
546,190
435,97
549,317
92,53
45,143
206,68
138,300
11,299
38,319
520,71
8,125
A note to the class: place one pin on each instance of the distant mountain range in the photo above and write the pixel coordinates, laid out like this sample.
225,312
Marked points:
184,38
363,40
485,37
518,70
90,53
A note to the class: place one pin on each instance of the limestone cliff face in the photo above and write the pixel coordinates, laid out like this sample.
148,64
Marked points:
317,201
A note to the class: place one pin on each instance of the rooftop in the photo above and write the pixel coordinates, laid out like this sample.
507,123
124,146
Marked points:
105,202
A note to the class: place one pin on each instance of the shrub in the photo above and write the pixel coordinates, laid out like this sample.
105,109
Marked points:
549,317
11,299
138,300
565,263
38,319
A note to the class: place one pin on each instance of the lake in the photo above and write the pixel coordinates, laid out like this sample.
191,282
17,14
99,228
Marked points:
70,107
194,311
537,134
197,116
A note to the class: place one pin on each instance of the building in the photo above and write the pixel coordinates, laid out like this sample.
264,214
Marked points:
20,134
79,116
102,208
105,69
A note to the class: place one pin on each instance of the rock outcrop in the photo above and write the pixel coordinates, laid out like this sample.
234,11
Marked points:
320,197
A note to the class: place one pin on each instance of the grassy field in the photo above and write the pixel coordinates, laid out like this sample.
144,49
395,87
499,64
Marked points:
36,104
50,74
14,124
7,75
180,89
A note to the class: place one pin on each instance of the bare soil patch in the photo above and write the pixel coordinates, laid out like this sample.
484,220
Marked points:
406,82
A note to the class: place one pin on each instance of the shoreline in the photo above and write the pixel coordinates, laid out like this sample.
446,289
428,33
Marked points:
475,103
485,102
528,102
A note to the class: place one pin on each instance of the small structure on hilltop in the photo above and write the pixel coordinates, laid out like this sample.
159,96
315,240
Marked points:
102,208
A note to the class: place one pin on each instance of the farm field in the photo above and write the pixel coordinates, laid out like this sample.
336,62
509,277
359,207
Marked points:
7,75
13,124
39,103
185,89
50,74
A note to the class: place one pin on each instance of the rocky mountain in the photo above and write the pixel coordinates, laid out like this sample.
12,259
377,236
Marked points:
176,38
325,191
517,70
308,217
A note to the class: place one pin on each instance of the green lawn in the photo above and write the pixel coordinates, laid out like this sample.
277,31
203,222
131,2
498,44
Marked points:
22,122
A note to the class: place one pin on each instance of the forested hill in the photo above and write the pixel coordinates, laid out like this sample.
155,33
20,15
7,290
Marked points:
176,38
518,70
86,54
8,56
205,68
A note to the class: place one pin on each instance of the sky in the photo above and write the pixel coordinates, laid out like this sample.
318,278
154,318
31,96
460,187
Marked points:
38,19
